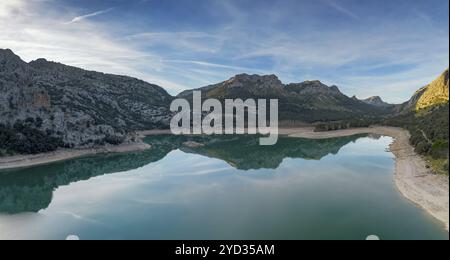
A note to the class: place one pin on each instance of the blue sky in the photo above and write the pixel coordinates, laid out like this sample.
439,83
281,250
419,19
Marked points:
366,47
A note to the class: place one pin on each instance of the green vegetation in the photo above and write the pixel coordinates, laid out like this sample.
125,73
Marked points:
24,138
429,134
438,165
346,124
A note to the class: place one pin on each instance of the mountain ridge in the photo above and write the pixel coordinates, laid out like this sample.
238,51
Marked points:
308,101
79,107
44,100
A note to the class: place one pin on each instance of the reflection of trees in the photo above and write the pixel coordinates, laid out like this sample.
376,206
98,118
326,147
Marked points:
245,153
30,190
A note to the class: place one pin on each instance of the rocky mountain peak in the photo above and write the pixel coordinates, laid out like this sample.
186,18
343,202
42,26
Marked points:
241,80
254,83
375,101
374,98
431,95
42,63
39,62
436,93
335,88
9,60
7,53
314,83
313,87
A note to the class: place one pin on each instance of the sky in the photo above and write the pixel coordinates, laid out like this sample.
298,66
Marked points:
388,48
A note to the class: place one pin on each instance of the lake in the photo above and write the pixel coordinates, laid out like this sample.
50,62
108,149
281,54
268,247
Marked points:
227,188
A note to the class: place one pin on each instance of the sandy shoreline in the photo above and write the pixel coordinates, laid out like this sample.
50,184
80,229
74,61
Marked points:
23,161
412,178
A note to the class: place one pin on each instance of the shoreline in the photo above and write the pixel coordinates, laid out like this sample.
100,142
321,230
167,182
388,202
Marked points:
25,161
412,178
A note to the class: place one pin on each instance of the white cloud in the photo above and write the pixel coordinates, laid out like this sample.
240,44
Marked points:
86,16
216,65
9,7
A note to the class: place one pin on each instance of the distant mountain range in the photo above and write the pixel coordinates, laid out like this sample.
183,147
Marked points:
85,108
309,101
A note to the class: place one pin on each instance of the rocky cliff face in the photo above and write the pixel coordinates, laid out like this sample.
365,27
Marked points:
434,94
80,107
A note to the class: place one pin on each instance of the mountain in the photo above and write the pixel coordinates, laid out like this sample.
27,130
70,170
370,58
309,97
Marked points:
426,116
309,101
376,101
242,86
434,94
77,107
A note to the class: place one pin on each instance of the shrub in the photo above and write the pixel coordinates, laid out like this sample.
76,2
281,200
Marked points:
24,139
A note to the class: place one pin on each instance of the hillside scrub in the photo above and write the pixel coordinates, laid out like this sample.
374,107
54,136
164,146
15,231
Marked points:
25,138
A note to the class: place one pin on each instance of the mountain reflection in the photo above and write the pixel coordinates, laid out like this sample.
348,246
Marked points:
245,153
31,189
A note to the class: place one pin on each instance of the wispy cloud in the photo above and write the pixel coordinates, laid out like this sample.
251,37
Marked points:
216,65
370,56
32,35
179,41
86,16
340,8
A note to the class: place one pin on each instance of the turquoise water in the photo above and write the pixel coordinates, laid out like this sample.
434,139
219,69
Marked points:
230,188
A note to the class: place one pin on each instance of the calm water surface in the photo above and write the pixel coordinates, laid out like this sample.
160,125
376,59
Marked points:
230,188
